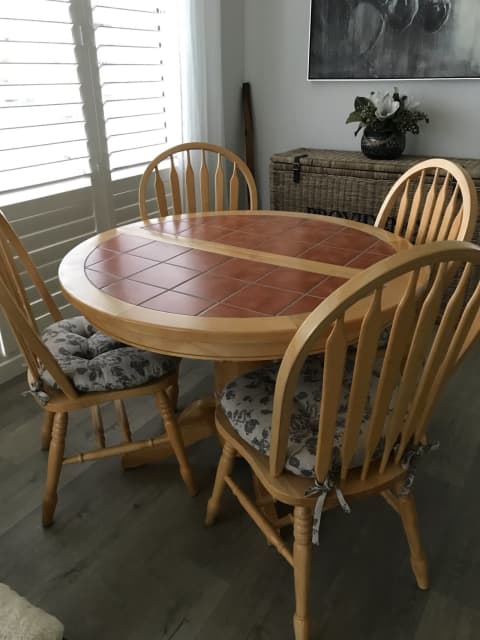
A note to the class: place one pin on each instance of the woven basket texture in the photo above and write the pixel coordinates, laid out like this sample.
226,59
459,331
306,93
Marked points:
342,183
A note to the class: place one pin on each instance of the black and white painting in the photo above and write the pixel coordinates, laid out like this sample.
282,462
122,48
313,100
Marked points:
390,39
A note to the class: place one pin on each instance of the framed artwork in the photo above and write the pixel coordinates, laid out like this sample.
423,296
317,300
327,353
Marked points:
394,39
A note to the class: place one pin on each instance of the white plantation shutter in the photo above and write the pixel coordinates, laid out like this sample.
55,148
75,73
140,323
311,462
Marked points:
43,141
138,71
89,94
45,171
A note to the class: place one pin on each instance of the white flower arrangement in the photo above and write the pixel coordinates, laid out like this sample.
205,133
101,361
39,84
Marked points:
381,110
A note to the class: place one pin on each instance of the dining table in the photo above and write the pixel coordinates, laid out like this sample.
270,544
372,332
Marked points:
230,287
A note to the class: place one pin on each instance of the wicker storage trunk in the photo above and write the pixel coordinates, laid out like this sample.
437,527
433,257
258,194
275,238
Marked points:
341,183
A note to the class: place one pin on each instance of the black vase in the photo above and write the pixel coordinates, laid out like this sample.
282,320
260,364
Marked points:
382,143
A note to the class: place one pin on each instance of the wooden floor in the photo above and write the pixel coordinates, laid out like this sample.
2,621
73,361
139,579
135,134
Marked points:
129,558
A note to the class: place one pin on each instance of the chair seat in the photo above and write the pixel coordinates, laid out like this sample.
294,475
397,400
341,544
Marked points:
96,362
247,402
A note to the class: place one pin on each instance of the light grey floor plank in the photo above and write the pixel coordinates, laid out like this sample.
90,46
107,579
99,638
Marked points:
129,558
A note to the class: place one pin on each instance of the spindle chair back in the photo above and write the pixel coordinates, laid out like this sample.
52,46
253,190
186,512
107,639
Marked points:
373,403
195,177
434,200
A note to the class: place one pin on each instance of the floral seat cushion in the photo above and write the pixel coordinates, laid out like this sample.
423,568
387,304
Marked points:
248,404
96,362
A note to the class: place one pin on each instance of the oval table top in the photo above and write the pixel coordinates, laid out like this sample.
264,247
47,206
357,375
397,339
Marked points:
229,286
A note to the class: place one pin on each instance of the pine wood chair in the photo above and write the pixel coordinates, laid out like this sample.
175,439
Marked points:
434,200
319,431
189,158
60,377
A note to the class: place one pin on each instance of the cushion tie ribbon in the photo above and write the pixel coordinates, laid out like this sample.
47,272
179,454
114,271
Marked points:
410,462
322,489
36,391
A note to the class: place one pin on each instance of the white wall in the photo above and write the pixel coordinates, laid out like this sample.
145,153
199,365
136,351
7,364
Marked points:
291,112
233,39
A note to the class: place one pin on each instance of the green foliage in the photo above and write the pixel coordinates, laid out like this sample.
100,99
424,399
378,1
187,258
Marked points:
387,111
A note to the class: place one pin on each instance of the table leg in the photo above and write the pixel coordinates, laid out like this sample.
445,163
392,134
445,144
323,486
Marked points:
227,371
196,422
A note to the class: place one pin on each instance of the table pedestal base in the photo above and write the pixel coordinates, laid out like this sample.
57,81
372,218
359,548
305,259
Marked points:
196,422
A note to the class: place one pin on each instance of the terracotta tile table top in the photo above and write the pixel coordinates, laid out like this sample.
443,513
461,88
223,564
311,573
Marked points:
188,272
148,272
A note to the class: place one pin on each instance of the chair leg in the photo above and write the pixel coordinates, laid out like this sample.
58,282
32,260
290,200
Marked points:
418,560
225,467
122,419
265,503
98,425
176,440
302,550
46,430
55,459
173,395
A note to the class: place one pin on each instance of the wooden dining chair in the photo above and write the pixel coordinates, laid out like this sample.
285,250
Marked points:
73,366
434,200
322,431
197,190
